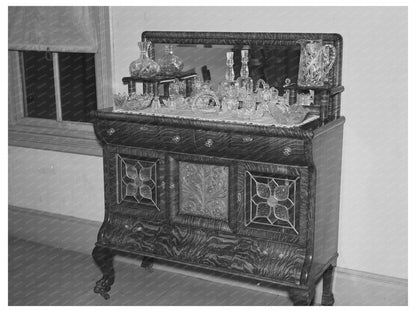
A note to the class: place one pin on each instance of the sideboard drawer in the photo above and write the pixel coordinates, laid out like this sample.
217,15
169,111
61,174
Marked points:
176,139
266,149
287,150
212,143
127,133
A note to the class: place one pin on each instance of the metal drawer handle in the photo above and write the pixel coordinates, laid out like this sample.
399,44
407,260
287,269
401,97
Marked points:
247,139
287,151
176,139
111,131
209,143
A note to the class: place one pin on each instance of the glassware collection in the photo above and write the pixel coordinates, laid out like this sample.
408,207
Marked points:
236,98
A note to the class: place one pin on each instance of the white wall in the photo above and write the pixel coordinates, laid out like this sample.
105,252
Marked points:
373,222
63,183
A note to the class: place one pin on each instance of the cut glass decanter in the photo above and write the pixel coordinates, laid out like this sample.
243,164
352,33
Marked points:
144,66
170,64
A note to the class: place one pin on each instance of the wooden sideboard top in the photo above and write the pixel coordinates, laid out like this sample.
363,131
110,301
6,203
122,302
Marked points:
306,131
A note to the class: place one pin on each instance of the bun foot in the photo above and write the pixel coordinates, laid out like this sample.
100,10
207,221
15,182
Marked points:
328,300
147,264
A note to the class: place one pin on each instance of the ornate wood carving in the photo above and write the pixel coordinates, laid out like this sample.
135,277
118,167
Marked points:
203,190
224,218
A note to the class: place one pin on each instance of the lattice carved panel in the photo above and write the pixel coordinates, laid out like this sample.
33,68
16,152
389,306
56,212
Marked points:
137,181
271,202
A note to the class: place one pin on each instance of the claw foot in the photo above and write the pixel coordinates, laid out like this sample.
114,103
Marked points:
103,286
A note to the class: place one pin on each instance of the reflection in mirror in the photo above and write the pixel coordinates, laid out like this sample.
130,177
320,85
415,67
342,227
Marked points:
273,64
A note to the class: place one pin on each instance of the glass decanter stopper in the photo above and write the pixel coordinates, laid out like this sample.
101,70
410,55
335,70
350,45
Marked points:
244,81
170,64
144,66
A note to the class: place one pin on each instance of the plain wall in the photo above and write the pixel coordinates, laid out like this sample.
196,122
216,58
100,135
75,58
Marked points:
373,220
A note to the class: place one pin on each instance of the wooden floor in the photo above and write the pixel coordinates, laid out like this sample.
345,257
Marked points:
43,275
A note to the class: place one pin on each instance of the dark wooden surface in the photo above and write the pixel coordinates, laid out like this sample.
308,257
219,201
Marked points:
269,254
295,256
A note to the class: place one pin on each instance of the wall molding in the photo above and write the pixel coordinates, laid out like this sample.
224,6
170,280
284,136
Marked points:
351,287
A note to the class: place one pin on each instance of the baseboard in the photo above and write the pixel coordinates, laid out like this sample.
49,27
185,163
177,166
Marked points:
351,287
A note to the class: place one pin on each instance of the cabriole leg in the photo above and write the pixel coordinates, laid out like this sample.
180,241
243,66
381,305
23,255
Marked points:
327,295
103,257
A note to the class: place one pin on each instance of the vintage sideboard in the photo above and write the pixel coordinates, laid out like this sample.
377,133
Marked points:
257,202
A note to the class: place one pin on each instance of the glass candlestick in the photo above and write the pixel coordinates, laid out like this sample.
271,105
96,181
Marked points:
229,73
244,81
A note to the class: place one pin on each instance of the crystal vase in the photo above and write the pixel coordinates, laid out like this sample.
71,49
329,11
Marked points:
144,66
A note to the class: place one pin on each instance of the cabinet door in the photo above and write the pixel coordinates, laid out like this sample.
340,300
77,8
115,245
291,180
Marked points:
134,181
202,192
273,201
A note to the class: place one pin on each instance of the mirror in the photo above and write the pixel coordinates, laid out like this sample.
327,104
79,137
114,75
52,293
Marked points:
273,64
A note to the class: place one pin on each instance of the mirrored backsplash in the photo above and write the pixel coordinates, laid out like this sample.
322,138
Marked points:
273,64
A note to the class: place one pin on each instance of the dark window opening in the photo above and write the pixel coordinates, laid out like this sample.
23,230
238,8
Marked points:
77,85
78,91
39,85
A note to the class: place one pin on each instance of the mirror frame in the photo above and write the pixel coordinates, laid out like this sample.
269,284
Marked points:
250,38
332,92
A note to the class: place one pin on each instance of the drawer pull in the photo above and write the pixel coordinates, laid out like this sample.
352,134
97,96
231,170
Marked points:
138,229
176,139
247,139
287,151
111,131
209,143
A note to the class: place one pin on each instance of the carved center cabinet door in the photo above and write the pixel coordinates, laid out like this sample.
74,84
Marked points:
134,197
202,206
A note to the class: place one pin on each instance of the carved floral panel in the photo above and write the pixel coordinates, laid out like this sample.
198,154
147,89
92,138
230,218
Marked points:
203,190
271,201
137,181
